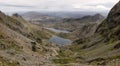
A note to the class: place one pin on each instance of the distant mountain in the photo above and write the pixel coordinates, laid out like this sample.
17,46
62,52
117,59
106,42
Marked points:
88,18
36,17
70,14
93,18
51,17
73,14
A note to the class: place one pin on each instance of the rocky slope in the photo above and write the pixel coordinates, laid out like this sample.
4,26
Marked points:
100,49
24,44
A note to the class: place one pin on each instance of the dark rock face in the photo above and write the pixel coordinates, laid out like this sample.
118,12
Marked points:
117,46
111,26
33,46
15,15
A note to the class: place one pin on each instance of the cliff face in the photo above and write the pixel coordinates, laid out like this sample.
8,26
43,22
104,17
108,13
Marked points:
110,28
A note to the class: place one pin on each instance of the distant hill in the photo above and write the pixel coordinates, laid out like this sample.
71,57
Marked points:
36,17
59,14
88,18
51,17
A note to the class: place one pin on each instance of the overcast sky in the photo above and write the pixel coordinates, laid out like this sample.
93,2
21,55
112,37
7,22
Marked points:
56,5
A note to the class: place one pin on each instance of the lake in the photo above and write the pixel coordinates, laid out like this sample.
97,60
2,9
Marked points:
59,40
58,31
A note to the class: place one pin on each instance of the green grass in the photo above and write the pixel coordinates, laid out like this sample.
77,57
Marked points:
5,62
8,44
65,57
63,61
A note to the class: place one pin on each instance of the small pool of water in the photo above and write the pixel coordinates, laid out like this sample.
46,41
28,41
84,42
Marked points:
58,31
59,40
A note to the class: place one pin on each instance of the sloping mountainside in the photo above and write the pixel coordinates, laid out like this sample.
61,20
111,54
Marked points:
83,27
103,48
24,44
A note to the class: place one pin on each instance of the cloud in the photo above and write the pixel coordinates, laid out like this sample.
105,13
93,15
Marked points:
98,7
56,5
13,5
102,7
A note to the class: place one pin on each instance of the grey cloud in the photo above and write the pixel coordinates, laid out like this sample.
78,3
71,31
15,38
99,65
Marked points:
108,4
56,5
12,5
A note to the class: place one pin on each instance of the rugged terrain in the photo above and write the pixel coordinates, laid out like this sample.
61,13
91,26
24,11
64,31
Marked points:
23,44
83,26
26,44
100,49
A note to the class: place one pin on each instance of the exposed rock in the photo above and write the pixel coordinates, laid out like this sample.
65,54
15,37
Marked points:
33,46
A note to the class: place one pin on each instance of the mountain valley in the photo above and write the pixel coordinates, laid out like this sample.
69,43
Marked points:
37,39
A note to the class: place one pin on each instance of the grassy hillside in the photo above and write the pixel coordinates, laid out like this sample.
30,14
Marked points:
100,49
23,44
